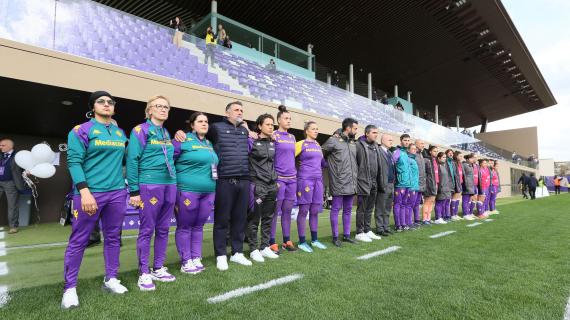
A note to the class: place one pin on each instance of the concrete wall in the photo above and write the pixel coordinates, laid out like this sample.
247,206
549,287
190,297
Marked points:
546,167
523,141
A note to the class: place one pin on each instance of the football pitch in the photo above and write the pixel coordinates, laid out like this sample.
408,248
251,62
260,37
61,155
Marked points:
515,265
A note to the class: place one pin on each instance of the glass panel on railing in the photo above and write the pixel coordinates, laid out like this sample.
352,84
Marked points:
293,56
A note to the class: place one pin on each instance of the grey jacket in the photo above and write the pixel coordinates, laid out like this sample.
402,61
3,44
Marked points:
365,180
431,185
444,189
468,182
340,153
457,188
422,170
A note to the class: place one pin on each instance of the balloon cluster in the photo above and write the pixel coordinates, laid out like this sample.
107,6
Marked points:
38,162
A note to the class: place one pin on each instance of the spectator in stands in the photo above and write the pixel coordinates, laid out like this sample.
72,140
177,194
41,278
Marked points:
210,46
384,99
514,156
221,35
557,181
523,183
179,29
228,42
374,95
336,79
11,182
340,153
271,67
532,184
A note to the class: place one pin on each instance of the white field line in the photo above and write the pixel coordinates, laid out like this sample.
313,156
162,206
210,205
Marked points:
442,234
567,312
474,224
4,297
379,253
247,290
2,234
3,268
489,220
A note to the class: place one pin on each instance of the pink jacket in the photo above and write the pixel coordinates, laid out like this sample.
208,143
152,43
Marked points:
484,178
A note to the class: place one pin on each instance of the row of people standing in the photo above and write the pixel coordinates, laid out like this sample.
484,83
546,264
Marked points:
260,174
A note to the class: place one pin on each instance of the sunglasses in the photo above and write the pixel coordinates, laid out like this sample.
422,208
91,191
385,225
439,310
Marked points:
103,101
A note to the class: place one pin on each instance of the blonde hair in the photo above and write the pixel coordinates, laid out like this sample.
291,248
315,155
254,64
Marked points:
149,104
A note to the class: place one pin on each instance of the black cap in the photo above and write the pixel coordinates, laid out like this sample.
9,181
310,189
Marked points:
96,95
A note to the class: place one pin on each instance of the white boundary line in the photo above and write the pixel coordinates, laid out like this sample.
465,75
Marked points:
247,290
489,220
3,268
4,297
474,224
378,253
567,312
442,234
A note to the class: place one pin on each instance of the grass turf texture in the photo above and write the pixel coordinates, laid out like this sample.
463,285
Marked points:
515,267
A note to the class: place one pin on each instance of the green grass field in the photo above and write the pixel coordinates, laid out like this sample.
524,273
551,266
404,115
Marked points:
515,267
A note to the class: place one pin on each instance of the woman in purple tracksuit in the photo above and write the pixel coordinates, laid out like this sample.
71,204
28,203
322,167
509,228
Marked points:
286,179
309,185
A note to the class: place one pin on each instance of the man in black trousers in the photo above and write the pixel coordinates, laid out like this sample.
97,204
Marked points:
11,182
385,197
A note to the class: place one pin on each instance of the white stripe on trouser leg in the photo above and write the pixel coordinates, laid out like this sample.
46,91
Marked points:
247,290
378,253
441,234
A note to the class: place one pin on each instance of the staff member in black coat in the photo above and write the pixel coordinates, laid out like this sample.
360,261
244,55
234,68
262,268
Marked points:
532,184
11,182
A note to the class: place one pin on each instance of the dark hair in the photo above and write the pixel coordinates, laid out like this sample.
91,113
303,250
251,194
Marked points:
232,103
193,118
369,128
447,151
440,154
532,174
262,119
404,136
348,123
282,110
430,149
468,156
455,155
481,161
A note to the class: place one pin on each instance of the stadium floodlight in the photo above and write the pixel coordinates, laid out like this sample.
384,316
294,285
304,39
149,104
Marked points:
500,52
516,75
509,69
507,61
484,32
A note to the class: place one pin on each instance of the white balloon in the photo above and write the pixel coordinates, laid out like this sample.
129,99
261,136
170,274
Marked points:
43,170
43,154
25,160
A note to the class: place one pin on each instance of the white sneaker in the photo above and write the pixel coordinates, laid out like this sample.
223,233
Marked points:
455,218
190,268
162,275
373,236
198,263
440,221
268,253
222,263
362,237
114,286
255,255
241,259
70,299
145,282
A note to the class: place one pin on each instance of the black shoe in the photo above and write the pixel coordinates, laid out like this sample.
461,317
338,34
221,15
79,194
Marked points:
337,243
383,233
399,229
93,243
348,239
388,231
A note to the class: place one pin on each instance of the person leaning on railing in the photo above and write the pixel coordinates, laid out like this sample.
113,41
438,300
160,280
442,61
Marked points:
179,29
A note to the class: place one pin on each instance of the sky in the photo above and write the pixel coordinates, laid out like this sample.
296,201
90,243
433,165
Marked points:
544,26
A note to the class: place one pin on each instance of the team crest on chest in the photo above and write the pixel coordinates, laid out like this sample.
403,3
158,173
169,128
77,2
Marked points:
75,214
119,133
307,189
96,131
187,202
153,200
138,129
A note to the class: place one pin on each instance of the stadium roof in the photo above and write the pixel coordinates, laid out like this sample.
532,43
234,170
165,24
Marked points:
465,56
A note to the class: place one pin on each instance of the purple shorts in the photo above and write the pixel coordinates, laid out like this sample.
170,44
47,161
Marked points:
286,188
310,191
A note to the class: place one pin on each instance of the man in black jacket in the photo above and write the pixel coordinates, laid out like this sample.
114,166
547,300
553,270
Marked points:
11,182
532,184
369,171
385,195
523,182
